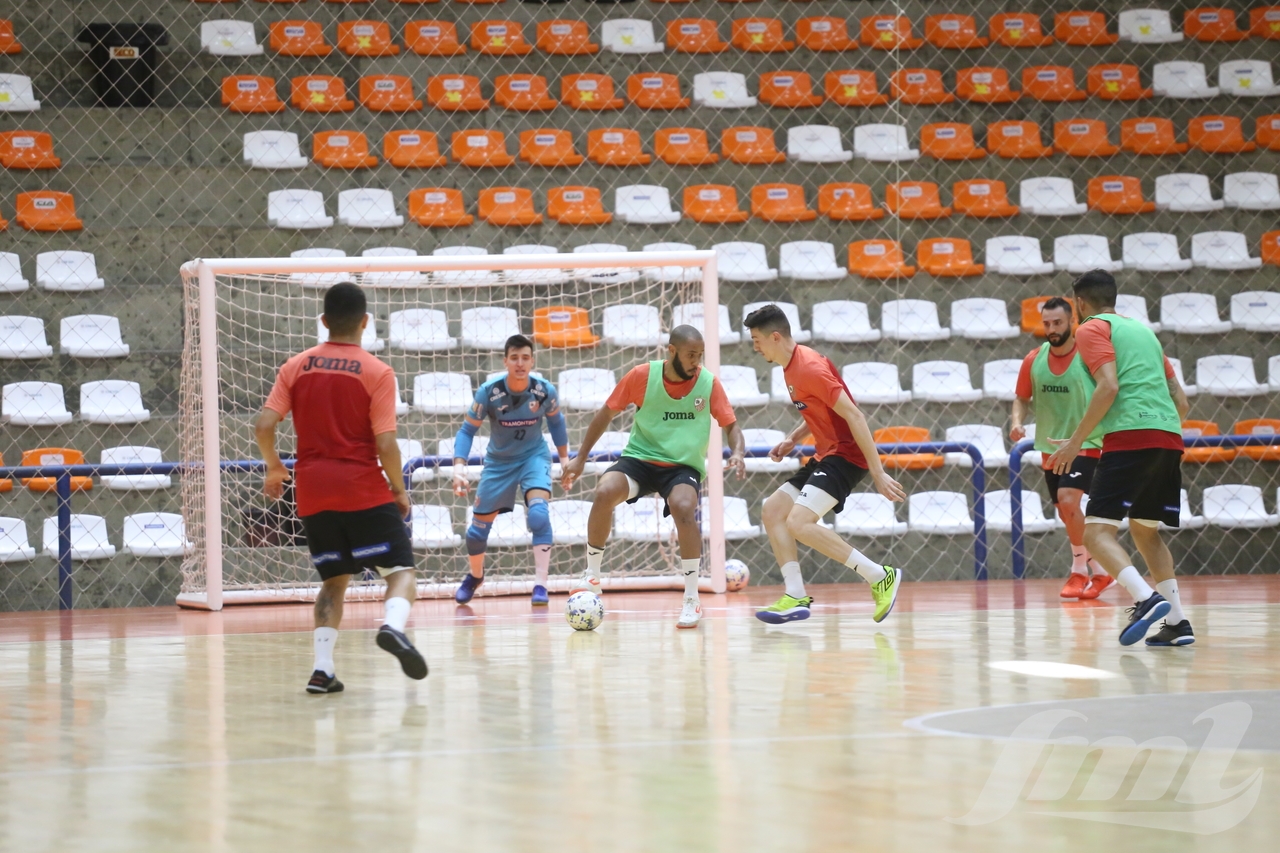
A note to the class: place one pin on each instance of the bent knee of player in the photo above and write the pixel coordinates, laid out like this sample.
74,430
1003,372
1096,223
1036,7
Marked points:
538,520
800,521
478,534
776,509
684,509
613,488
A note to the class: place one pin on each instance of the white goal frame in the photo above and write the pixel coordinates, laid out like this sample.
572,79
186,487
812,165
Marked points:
206,272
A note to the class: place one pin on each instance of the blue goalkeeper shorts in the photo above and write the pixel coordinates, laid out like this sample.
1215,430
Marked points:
502,478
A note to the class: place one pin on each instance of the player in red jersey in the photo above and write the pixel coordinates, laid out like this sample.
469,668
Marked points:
844,452
343,402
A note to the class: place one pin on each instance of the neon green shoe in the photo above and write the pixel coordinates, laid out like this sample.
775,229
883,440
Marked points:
785,609
885,592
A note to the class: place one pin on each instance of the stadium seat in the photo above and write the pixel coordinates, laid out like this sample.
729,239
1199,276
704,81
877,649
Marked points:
629,35
341,149
943,382
1273,373
272,149
548,147
438,207
1185,193
1264,22
46,210
1079,253
906,461
738,261
949,141
388,93
721,90
563,37
112,401
868,514
67,271
735,518
694,35
1228,376
1270,252
1082,29
589,92
444,449
508,206
35,404
614,146
1016,140
510,529
888,32
1135,307
1017,29
714,203
400,278
433,38
643,521
911,320
1236,506
874,383
1256,311
1222,250
952,32
878,259
814,143
1192,314
982,199
1149,136
576,205
759,35
499,38
999,512
419,330
921,86
780,203
1118,195
91,336
366,38
1016,256
9,43
691,314
16,95
443,394
407,149
569,521
787,89
946,257
683,146
1251,191
767,439
1153,252
23,338
824,34
985,85
852,88
523,93
809,260
488,326
1218,134
1210,24
914,200
455,93
155,534
319,279
1204,455
653,91
742,386
1049,197
1257,427
1245,78
368,208
671,273
585,388
43,456
1147,26
1181,79
881,142
88,537
1116,82
845,202
750,146
1000,378
317,93
642,204
480,149
989,441
133,455
11,280
297,38
1082,138
534,276
981,319
939,513
563,326
469,278
27,149
229,38
1051,83
843,321
633,326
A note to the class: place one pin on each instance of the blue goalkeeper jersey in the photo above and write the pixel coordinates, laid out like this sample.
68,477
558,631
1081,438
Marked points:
515,419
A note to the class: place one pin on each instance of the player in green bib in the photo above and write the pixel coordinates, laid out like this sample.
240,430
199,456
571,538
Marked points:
1057,383
666,454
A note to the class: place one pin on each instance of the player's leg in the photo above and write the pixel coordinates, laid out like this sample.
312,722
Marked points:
1160,503
535,480
1067,502
380,540
682,502
616,485
793,603
495,492
329,554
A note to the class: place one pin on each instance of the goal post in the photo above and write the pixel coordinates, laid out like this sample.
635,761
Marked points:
244,317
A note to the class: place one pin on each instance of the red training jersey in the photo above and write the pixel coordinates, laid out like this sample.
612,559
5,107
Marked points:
815,385
340,397
630,392
1058,365
1093,338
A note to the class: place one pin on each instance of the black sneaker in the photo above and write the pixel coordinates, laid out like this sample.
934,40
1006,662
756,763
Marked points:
321,683
393,641
1142,616
1173,635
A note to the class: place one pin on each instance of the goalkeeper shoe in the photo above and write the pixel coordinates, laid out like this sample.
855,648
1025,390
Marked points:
467,589
539,598
786,609
691,613
885,592
321,683
395,642
587,583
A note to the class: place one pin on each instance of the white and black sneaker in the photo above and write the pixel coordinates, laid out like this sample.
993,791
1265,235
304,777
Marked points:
395,642
1173,635
322,683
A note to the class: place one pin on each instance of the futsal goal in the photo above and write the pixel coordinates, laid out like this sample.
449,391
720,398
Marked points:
440,321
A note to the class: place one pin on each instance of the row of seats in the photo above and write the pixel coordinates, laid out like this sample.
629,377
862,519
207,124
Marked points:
107,401
145,534
79,336
61,270
124,455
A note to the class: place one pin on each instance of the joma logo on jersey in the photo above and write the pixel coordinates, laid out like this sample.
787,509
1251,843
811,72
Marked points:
342,365
1055,389
678,416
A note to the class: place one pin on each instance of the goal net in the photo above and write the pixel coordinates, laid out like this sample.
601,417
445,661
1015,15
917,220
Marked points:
440,322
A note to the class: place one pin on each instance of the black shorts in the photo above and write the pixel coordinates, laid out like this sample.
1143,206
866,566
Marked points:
1079,477
1141,484
659,479
346,543
835,475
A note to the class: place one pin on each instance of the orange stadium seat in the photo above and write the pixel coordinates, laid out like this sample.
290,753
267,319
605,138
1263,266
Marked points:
853,89
1258,426
438,207
54,456
694,35
342,149
1051,83
914,200
953,32
1209,23
577,206
455,93
824,34
480,148
250,94
713,203
433,38
499,38
1083,137
1082,28
565,38
412,149
947,257
563,327
848,202
1204,455
1118,194
526,93
750,145
546,146
1116,82
47,210
1016,140
780,203
1017,29
759,35
388,93
949,141
508,206
654,91
1149,136
683,146
888,32
366,38
1271,248
318,93
1264,22
1032,322
8,41
1267,132
1218,135
27,149
984,85
589,92
906,461
297,38
616,146
879,259
919,86
6,485
789,89
982,199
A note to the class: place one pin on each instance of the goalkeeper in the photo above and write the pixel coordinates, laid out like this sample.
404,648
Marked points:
518,458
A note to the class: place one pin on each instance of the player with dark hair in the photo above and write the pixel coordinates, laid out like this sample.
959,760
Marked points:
1057,383
343,402
515,403
844,452
675,401
1138,405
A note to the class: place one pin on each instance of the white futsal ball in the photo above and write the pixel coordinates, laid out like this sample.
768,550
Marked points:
584,611
736,575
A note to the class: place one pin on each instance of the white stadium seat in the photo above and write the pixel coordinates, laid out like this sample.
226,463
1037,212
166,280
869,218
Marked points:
1251,191
66,271
299,210
444,449
1049,196
229,38
643,521
613,442
809,260
569,521
585,388
1147,26
112,401
873,382
691,314
911,320
869,514
1189,390
11,280
943,382
1247,78
778,392
368,208
1000,378
88,537
1181,79
1016,256
1222,250
1236,506
644,204
605,275
721,90
737,519
319,279
155,534
885,143
1032,458
628,35
989,441
767,438
488,326
419,330
133,455
742,386
442,393
14,544
1256,311
411,448
16,95
999,511
1228,376
798,334
35,404
816,143
272,149
939,513
1135,308
1192,314
369,340
527,276
1153,251
1188,520
431,526
739,261
1185,192
464,278
91,336
1273,373
671,274
510,529
633,326
843,321
23,337
1079,253
402,408
982,319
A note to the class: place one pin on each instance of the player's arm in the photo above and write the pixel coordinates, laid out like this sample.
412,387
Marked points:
393,467
1179,396
264,429
737,450
852,415
1023,393
559,430
1108,386
1017,418
783,448
599,425
462,441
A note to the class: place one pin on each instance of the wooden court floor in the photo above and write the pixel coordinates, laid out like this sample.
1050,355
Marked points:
978,717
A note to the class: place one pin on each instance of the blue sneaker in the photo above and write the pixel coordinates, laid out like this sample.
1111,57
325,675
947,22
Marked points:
1142,616
467,589
539,598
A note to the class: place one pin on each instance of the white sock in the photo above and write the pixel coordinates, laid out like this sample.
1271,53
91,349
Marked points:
396,612
595,556
1079,560
871,572
541,562
1135,584
1096,568
791,576
1169,589
690,569
323,640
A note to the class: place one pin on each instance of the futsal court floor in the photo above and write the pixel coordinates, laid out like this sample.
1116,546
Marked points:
978,717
